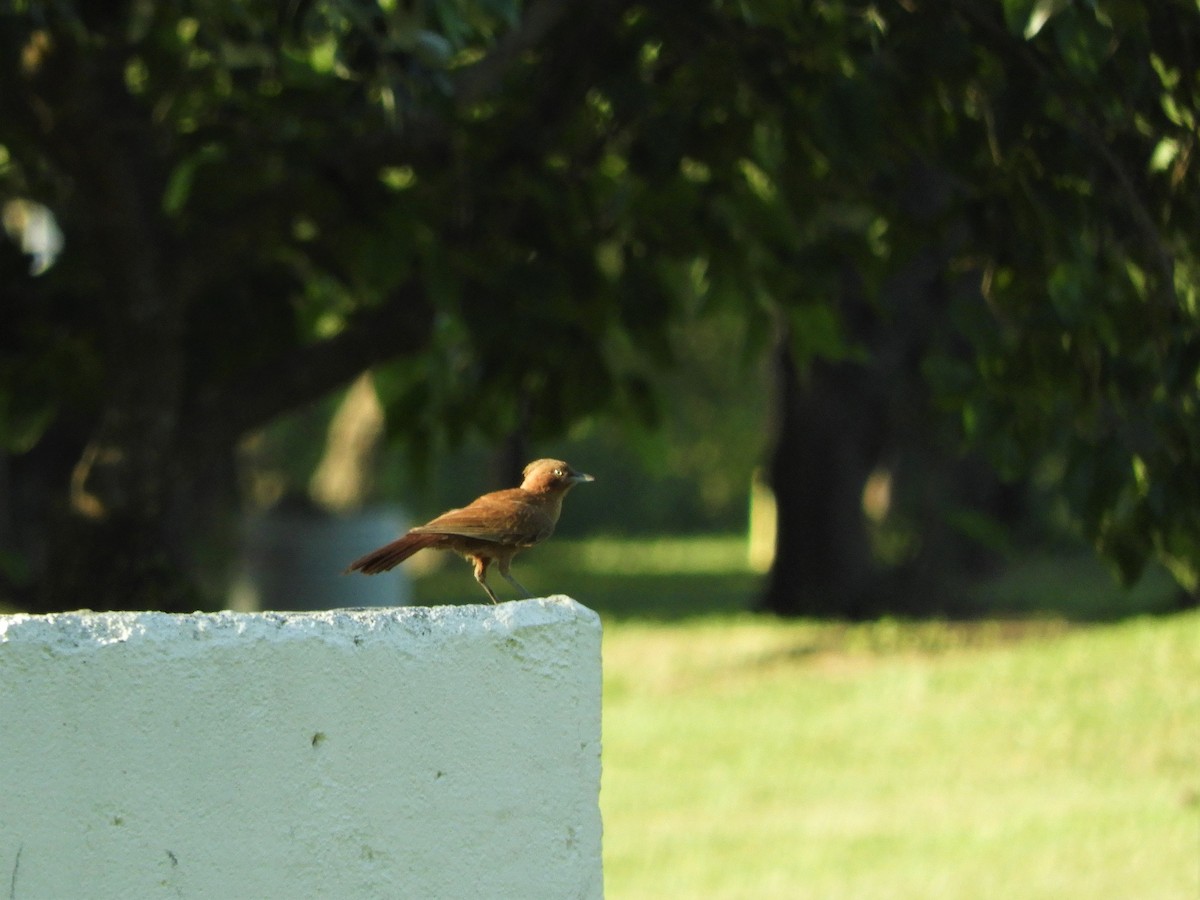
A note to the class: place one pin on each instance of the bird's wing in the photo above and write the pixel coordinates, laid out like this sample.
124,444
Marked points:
505,517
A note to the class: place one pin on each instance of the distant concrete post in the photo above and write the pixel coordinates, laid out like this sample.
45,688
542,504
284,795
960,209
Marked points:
294,559
451,752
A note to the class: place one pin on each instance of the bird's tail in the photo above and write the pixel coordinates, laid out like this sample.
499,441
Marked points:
391,555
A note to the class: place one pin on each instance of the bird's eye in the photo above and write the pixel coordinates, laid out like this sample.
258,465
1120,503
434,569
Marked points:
559,473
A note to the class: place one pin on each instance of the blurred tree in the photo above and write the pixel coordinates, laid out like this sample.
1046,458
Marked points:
1040,156
247,225
512,203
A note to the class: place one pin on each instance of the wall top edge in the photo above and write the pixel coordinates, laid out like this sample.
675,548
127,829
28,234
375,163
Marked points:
85,630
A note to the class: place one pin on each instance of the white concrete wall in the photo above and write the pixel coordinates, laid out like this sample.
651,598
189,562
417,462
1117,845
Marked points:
451,752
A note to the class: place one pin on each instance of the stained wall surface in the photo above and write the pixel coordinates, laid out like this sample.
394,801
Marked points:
409,752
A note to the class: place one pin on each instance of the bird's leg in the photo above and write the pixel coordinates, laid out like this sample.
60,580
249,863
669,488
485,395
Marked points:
504,563
481,563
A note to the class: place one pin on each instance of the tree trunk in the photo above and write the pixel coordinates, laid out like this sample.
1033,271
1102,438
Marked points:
170,552
826,444
839,422
115,543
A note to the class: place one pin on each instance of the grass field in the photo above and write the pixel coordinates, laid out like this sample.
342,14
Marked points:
745,757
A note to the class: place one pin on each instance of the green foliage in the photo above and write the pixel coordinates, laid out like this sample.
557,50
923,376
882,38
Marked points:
1074,198
510,205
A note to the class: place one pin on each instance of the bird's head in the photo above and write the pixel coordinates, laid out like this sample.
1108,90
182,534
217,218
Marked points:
543,475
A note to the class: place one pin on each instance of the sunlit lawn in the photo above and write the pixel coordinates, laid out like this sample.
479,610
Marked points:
749,757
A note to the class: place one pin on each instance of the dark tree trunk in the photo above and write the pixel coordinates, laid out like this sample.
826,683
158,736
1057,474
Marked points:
509,461
111,545
826,444
838,422
157,537
144,485
118,562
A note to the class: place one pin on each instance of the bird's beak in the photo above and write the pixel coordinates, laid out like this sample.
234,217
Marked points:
580,477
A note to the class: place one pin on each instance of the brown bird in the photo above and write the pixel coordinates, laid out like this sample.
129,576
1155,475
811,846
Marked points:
493,528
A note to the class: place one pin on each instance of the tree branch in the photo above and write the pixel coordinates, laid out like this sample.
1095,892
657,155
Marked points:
486,76
1163,258
400,327
428,133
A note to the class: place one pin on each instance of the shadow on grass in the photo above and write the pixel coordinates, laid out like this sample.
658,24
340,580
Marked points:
658,598
1079,588
1076,588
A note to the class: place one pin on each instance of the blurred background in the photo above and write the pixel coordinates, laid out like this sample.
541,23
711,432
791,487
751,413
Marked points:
897,298
876,323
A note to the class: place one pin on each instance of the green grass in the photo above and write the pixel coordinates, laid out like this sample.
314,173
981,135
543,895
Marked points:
758,759
746,757
666,579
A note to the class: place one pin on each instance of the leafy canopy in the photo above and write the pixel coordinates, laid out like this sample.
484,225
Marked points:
511,202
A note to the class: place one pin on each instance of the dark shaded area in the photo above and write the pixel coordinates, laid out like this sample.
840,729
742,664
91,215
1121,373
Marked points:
949,518
1072,587
979,241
